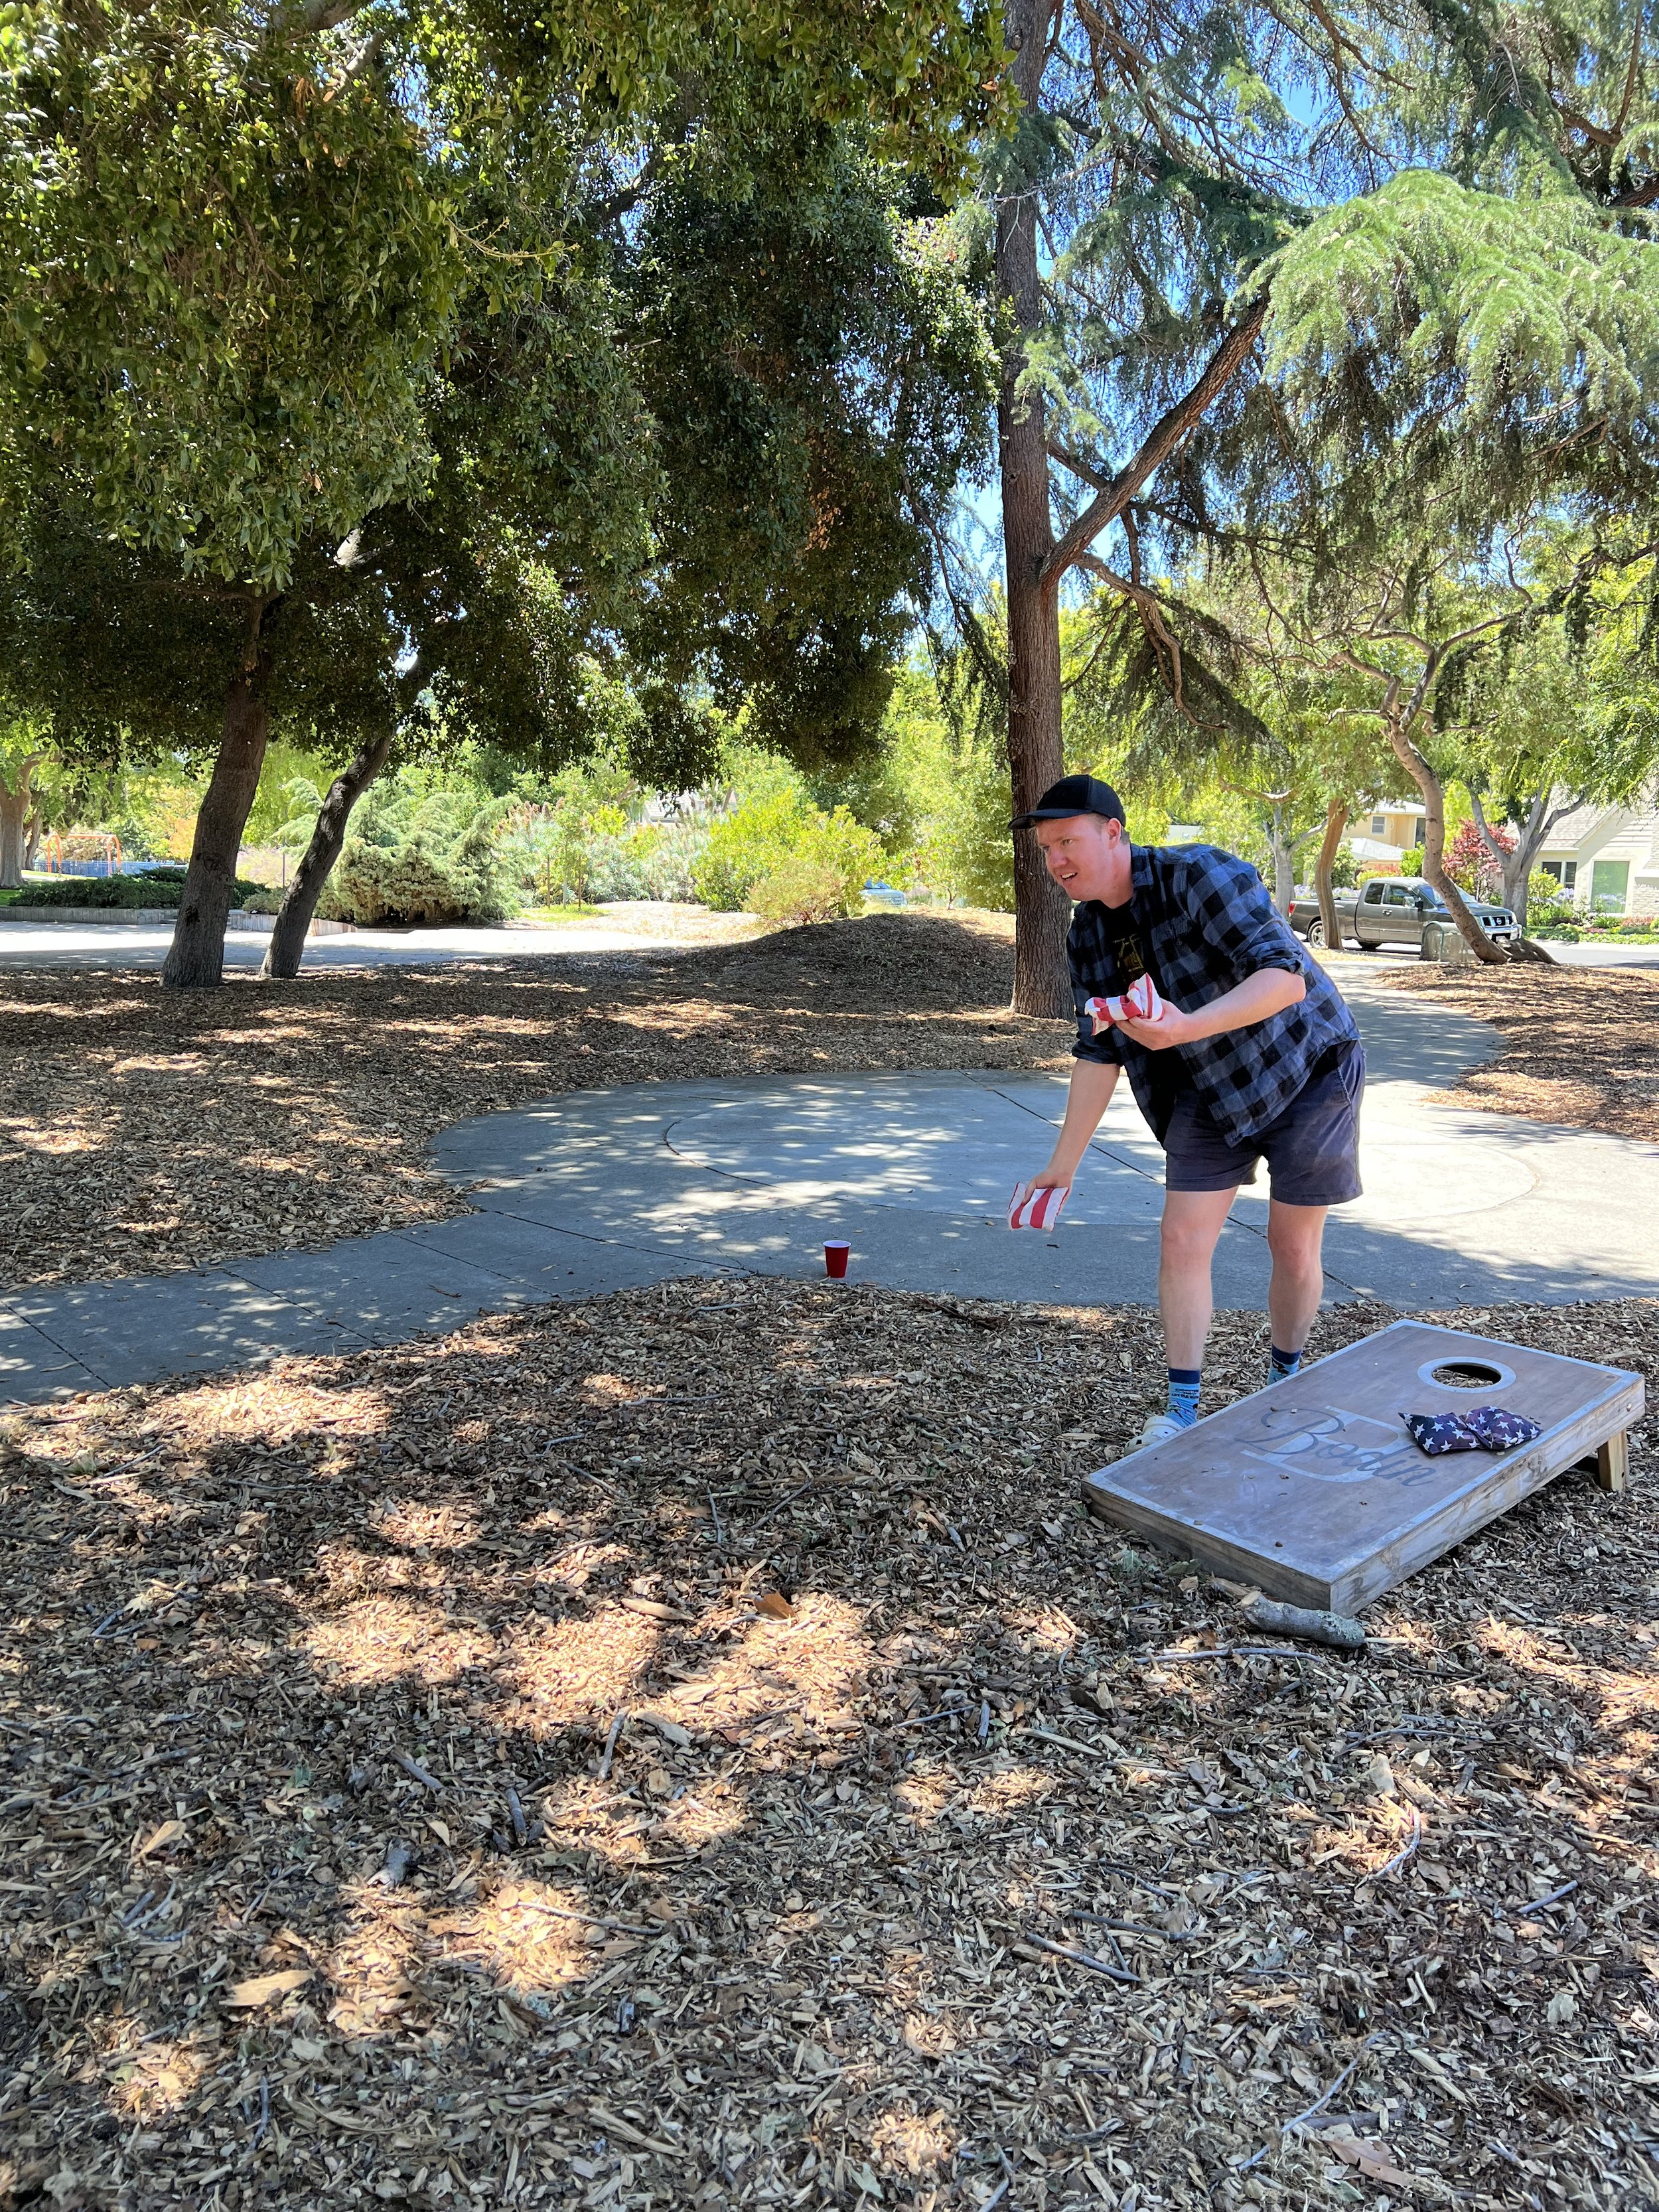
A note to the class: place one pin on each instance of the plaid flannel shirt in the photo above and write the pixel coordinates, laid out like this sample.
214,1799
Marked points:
1205,922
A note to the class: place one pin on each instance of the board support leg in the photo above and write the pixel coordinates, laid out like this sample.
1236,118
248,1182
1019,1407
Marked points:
1613,1462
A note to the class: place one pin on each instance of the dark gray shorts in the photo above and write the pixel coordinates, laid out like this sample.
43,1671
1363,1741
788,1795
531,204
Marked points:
1312,1150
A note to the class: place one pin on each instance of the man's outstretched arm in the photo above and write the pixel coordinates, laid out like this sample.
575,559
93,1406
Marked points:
1093,1082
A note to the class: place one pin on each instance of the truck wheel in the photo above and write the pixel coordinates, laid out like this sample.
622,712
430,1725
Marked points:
1315,932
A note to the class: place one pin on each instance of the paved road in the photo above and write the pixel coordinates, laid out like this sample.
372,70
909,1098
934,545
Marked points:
607,1189
127,946
117,945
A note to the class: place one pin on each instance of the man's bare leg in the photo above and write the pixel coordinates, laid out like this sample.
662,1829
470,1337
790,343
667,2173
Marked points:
1295,1235
1193,1221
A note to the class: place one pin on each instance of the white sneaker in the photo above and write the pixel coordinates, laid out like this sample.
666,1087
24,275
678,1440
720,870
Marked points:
1159,1429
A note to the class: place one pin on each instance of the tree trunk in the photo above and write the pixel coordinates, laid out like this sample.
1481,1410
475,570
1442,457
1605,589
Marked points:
1517,866
1041,911
1414,760
1284,863
196,960
1336,821
34,831
16,804
288,936
14,812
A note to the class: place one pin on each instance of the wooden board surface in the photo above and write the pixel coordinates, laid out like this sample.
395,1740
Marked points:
1313,1487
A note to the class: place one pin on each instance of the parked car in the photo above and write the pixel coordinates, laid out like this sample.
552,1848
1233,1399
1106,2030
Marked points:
1401,911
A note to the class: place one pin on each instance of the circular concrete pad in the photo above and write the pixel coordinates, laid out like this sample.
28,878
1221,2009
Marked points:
949,1147
934,1143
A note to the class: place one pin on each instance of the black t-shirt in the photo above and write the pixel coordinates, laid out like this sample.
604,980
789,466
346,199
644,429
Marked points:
1168,1070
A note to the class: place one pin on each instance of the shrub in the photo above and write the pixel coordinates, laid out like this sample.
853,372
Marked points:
1411,862
159,888
572,852
967,852
798,890
669,867
745,846
267,899
1546,902
763,835
1472,867
416,858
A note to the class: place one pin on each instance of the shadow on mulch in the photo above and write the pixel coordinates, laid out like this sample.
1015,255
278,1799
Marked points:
691,1748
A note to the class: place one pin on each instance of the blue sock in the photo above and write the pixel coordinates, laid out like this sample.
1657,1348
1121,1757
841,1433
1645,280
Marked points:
1282,1364
1185,1383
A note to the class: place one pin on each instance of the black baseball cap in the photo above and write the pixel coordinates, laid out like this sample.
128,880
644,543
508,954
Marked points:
1072,794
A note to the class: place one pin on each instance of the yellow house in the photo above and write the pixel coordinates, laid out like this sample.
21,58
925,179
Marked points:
1387,829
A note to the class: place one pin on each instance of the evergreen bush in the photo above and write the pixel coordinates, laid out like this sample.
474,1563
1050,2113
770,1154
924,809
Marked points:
416,857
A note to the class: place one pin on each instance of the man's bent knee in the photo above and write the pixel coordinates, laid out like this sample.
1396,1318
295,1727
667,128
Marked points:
1296,1234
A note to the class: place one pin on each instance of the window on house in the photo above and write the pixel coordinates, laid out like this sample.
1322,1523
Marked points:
1566,872
1609,885
1379,825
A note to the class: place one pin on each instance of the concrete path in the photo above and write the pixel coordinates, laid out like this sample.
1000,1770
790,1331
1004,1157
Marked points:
607,1189
144,945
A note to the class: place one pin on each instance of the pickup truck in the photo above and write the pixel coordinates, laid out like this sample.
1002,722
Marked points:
1401,911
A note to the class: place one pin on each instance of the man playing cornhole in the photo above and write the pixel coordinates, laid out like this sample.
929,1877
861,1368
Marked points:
1251,1053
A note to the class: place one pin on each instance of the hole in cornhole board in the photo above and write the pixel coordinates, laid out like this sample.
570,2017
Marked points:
1313,1488
1467,1375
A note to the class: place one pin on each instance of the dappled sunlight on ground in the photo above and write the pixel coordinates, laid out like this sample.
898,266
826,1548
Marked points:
772,1796
387,1638
578,1670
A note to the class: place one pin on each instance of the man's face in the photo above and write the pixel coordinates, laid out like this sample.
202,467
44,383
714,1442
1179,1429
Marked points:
1087,857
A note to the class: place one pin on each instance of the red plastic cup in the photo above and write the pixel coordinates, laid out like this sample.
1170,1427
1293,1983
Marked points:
836,1256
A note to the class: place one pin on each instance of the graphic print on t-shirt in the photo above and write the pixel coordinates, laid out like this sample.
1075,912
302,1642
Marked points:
1128,956
1169,1071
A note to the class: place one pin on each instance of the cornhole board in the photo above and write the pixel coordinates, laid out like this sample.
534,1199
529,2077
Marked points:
1313,1489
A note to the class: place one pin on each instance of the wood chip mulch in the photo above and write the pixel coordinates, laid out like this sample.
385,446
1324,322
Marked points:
691,1749
142,1131
1581,1044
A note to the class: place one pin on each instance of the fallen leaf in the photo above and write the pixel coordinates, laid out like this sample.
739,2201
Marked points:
1373,2158
169,1832
653,1608
776,1605
245,1996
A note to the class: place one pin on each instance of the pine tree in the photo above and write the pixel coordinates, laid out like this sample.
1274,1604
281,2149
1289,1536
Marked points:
1226,327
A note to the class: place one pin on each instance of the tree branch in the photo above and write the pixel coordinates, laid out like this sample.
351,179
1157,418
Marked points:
1078,467
1166,436
318,15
